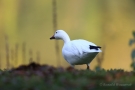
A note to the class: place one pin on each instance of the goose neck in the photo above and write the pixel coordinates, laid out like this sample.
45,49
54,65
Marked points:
66,39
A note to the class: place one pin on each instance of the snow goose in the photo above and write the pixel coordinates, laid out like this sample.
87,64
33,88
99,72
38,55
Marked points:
76,52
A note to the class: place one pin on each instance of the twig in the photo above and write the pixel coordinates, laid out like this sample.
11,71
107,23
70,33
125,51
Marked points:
31,56
24,52
54,29
38,57
12,57
0,61
7,51
16,53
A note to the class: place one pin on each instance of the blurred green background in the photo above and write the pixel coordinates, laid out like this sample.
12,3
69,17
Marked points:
27,26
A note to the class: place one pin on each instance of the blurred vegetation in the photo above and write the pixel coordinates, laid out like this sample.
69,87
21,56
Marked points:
44,77
131,42
31,22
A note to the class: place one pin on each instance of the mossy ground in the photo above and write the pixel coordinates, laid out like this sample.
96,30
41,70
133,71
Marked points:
45,77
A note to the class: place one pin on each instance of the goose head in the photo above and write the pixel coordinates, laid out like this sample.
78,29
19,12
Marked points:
60,35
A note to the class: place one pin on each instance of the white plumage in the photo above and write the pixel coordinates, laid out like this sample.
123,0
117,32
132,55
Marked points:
77,52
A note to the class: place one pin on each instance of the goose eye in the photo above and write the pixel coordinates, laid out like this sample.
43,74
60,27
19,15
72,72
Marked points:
56,32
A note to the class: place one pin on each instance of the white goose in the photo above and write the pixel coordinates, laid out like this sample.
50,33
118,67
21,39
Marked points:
77,52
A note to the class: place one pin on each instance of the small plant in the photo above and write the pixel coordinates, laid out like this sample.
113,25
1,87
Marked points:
100,60
131,42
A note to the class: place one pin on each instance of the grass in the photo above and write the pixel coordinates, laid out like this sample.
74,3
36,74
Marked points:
45,77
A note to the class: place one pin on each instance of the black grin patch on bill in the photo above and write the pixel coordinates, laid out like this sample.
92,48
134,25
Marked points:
94,47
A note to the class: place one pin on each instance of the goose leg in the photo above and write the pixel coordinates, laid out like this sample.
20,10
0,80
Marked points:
88,68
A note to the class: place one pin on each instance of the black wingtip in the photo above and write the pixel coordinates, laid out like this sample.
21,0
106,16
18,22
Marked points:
98,47
94,47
